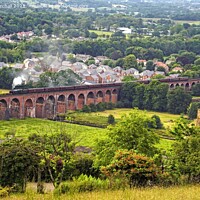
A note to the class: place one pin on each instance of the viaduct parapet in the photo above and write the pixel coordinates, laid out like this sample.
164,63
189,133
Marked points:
48,102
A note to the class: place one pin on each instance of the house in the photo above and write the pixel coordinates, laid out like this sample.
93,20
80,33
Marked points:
142,62
82,57
100,59
29,63
174,75
132,71
177,69
92,66
125,30
92,78
147,74
161,64
117,69
78,66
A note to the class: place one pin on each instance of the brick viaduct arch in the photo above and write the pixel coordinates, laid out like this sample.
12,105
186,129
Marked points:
48,102
186,85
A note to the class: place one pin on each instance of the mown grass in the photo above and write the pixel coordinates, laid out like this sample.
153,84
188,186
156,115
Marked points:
101,33
90,118
84,135
166,118
3,91
190,192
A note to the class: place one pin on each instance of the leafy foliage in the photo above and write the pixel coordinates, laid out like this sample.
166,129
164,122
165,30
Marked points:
17,159
138,169
178,100
193,109
111,119
186,150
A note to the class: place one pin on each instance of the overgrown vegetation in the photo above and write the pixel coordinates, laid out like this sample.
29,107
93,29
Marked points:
128,154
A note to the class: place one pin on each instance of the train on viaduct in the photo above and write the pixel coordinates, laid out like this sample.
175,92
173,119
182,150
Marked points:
49,102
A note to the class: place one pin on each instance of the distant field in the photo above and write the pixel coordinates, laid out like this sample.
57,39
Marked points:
100,33
190,192
176,21
2,91
186,21
82,9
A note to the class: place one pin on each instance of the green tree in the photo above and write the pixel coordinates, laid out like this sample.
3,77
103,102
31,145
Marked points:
197,61
127,93
128,78
178,101
18,158
86,109
196,89
56,152
130,61
186,150
186,58
158,123
132,132
158,76
93,35
138,98
7,75
150,65
159,101
193,109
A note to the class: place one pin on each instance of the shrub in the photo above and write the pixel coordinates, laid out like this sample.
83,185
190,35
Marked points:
101,106
192,110
158,122
111,119
86,109
4,192
93,107
83,164
110,105
82,184
120,104
167,179
137,169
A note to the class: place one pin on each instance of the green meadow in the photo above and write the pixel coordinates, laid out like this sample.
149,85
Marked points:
83,135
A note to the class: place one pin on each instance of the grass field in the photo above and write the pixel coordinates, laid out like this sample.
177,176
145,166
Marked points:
2,91
156,193
100,33
86,135
166,118
91,118
176,21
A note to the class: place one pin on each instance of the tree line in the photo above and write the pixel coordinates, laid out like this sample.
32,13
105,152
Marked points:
154,96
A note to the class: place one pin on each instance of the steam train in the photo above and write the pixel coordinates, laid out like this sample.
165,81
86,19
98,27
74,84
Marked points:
62,88
79,87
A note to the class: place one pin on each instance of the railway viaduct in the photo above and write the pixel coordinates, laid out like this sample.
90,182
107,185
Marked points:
48,102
